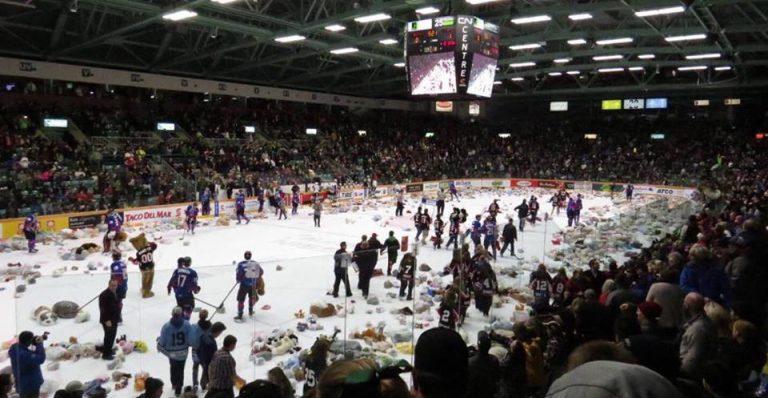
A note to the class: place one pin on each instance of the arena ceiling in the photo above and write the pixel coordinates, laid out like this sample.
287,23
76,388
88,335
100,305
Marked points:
727,48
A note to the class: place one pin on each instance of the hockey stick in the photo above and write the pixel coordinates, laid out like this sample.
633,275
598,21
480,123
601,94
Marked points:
220,308
86,304
225,299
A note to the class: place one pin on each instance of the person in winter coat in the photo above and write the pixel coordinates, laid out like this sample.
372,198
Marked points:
522,214
25,364
206,348
391,245
176,337
366,262
703,275
509,236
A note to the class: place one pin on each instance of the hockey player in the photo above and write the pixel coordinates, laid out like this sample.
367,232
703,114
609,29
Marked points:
391,245
579,206
205,199
570,211
509,235
260,197
453,191
400,204
406,273
280,205
476,231
439,226
240,207
453,230
31,225
250,276
533,208
425,221
494,208
184,285
629,191
295,199
417,222
491,234
114,225
119,272
146,261
447,310
555,204
541,285
191,221
440,202
522,214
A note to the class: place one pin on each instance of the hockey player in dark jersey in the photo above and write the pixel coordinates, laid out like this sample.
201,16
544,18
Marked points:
119,273
145,258
533,209
425,222
295,199
240,207
184,285
406,274
205,199
191,220
31,225
250,276
453,230
417,223
447,313
438,239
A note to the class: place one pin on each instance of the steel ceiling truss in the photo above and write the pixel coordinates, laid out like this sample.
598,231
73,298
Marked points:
236,42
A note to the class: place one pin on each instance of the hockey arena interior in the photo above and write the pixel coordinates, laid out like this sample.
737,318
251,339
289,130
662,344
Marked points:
383,198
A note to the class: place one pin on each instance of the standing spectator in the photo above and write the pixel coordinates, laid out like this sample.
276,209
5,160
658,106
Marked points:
541,285
509,236
176,337
207,348
25,364
595,276
703,275
667,294
400,204
317,211
440,365
698,343
109,312
341,260
222,371
484,372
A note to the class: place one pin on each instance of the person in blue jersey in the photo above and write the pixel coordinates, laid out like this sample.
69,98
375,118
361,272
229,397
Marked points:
570,211
191,213
205,200
295,199
491,232
31,225
577,210
176,337
453,191
240,207
260,197
184,285
250,276
119,273
27,356
476,231
114,225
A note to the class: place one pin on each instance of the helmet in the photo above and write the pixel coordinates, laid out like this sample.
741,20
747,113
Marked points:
187,261
116,255
247,255
180,262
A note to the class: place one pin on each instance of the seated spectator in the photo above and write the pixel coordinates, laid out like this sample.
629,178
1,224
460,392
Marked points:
440,368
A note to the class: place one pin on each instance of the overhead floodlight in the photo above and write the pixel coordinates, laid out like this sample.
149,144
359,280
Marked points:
659,11
635,68
528,46
504,135
387,42
723,68
427,10
532,19
698,36
335,28
577,42
573,72
224,1
346,50
522,64
580,17
608,42
562,60
478,2
496,83
555,73
179,15
690,68
607,57
646,56
373,18
517,79
610,70
399,65
289,39
704,56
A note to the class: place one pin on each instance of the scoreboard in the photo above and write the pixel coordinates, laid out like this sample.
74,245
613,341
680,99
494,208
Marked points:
451,57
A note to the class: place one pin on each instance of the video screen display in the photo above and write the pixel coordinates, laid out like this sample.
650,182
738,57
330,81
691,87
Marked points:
166,127
634,103
56,123
611,105
558,106
656,103
250,129
433,74
482,76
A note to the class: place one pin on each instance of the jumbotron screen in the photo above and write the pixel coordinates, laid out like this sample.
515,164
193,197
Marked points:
451,57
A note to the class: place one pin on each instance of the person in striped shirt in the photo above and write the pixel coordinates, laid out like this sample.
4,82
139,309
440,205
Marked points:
222,373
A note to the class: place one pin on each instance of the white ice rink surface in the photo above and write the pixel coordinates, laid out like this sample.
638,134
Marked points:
304,252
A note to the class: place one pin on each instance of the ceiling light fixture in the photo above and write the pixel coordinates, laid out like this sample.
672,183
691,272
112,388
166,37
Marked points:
607,42
289,39
528,46
427,10
610,70
577,42
224,1
522,64
698,36
346,50
517,79
562,60
179,15
573,72
580,17
646,56
723,68
635,68
704,56
555,73
477,2
531,19
607,57
335,28
660,11
399,65
373,18
387,42
690,68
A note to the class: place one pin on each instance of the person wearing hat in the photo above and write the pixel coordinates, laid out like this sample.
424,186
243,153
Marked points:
153,388
440,365
109,316
648,314
176,337
27,355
